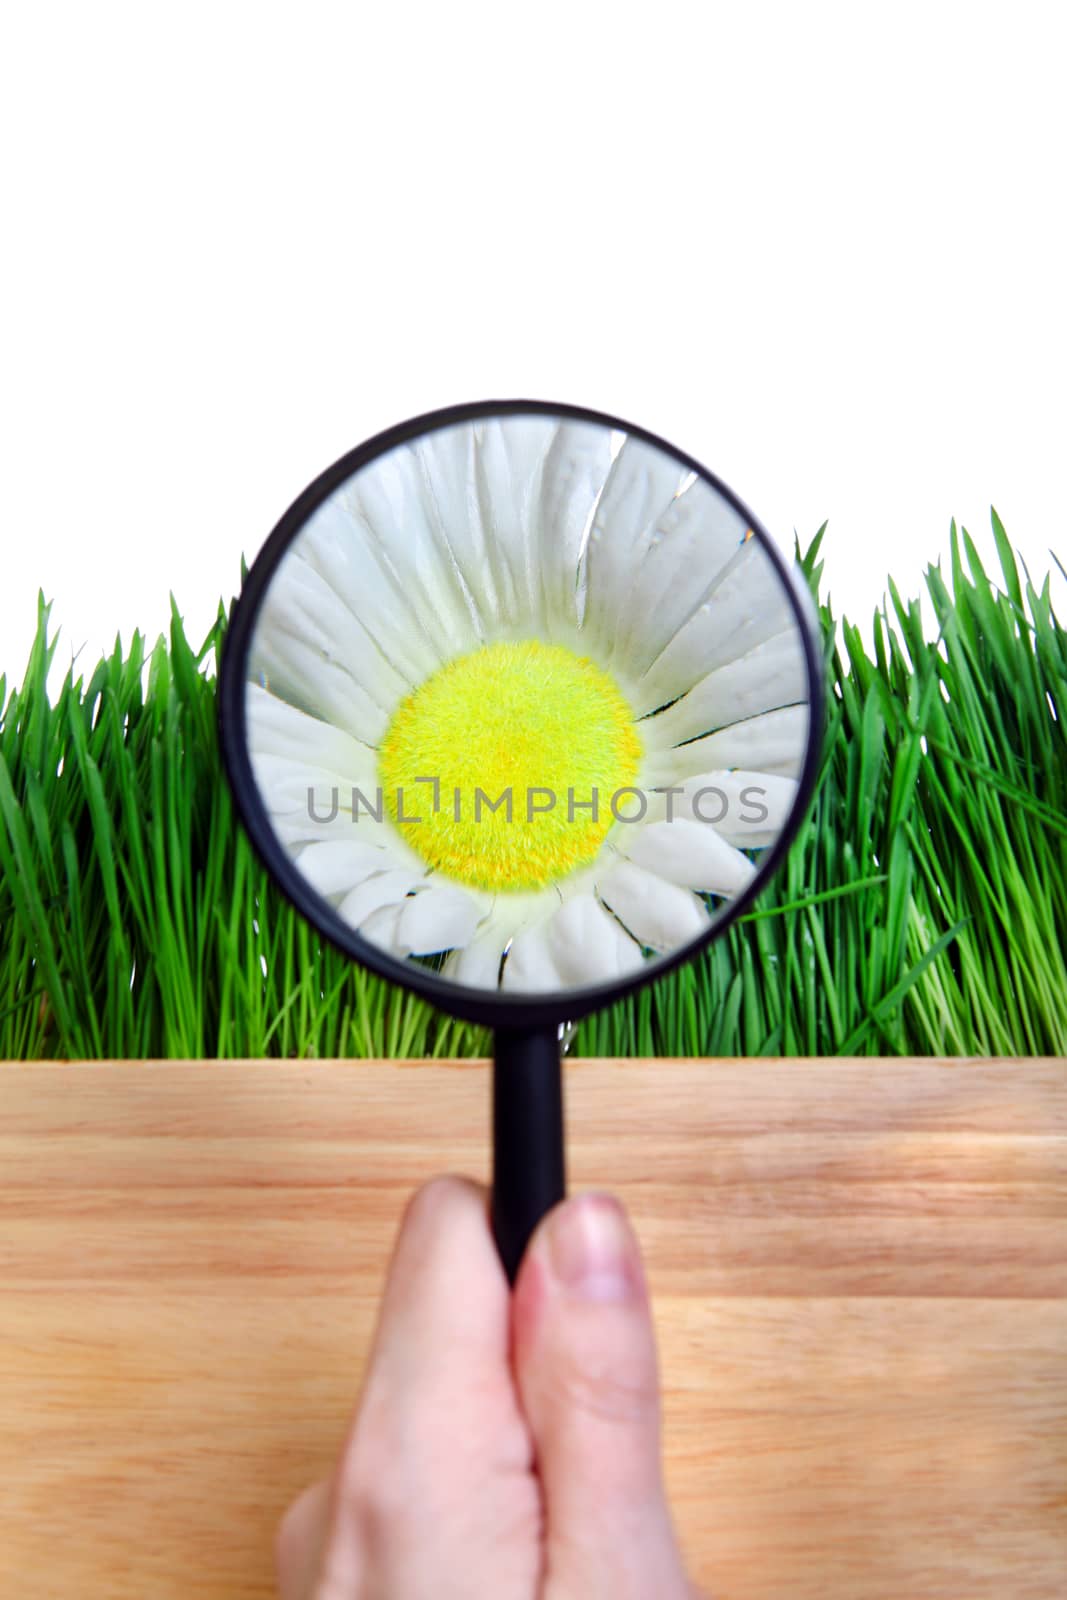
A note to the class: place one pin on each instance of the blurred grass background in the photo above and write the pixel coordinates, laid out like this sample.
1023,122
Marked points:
923,909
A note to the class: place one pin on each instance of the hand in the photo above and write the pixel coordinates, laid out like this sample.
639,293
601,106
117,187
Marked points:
505,1446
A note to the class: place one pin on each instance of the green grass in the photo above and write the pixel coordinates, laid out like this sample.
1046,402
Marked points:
923,908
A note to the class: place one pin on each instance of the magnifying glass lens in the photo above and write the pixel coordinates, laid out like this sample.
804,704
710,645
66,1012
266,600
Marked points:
527,703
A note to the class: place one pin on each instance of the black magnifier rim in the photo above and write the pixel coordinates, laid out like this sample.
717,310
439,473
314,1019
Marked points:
475,1005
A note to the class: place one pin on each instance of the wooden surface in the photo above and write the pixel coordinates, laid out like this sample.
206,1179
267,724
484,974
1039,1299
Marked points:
859,1272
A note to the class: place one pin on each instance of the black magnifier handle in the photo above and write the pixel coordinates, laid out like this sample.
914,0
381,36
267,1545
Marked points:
528,1167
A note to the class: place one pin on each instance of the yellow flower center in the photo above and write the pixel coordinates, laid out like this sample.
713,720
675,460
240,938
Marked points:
502,768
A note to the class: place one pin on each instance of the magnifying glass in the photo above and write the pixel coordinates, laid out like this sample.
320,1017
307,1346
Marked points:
520,706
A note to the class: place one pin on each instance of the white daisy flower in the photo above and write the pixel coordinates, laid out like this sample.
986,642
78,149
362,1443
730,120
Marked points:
527,698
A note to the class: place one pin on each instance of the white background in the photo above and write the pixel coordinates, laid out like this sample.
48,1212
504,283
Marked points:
820,247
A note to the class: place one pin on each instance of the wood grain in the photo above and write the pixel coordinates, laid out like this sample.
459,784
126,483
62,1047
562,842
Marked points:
859,1272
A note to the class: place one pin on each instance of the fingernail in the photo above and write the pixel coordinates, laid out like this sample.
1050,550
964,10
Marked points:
592,1250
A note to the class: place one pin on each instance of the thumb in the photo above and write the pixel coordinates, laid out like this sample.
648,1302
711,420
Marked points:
586,1372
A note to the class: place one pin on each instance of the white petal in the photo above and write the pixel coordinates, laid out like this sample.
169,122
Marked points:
660,915
529,968
449,489
747,605
640,486
333,866
771,675
528,440
293,789
295,829
693,855
775,742
276,728
478,965
292,754
588,946
307,650
381,929
340,547
575,469
748,809
384,889
510,454
304,603
691,542
289,787
579,944
438,918
385,494
296,821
